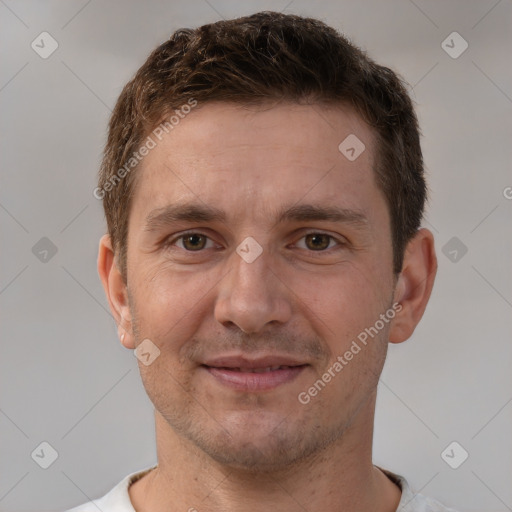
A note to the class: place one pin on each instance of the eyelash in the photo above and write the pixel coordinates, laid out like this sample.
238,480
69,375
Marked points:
170,242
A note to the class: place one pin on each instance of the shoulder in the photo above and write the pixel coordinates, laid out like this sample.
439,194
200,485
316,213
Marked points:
414,502
116,500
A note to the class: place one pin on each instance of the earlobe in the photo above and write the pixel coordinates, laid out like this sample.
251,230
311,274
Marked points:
414,285
116,291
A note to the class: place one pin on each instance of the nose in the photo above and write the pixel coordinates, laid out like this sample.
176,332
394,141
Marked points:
251,295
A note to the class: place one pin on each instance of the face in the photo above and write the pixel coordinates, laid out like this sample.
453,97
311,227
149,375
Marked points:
258,253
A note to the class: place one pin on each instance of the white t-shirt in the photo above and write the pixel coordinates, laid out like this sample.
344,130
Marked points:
118,499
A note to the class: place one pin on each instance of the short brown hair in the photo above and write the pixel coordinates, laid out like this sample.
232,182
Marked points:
264,57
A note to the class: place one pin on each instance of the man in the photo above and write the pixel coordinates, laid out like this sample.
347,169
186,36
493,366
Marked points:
263,188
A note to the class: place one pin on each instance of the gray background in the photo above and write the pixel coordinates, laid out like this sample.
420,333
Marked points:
65,378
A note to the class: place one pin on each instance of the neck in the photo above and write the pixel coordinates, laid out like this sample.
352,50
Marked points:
341,477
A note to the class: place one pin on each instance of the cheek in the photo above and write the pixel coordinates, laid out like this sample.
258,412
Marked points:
344,302
345,311
166,308
168,303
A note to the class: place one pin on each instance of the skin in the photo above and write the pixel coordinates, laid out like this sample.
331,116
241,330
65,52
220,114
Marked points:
221,449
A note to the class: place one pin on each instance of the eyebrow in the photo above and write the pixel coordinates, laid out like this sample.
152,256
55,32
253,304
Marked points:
188,212
196,213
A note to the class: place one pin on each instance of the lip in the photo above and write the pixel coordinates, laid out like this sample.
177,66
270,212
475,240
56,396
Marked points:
247,363
237,372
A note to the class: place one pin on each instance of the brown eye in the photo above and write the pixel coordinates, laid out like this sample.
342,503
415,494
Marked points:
317,241
194,242
191,241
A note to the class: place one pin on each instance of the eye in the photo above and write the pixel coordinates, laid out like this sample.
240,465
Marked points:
192,242
319,241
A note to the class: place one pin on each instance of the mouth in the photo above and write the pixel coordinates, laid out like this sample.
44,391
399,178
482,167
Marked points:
261,374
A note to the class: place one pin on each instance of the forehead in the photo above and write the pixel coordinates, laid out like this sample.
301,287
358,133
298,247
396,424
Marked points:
252,160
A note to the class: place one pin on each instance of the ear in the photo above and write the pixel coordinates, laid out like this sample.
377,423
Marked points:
414,285
116,291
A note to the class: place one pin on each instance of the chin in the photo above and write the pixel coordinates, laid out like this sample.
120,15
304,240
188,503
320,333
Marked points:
261,445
